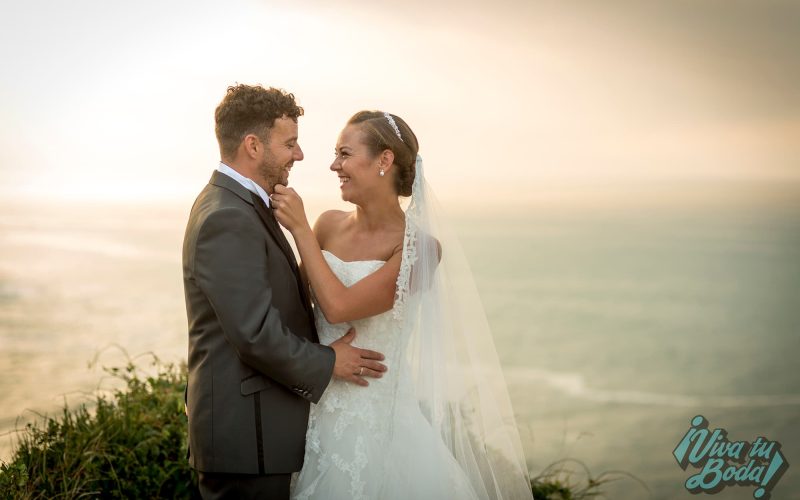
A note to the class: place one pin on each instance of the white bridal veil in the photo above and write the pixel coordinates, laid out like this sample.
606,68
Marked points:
457,377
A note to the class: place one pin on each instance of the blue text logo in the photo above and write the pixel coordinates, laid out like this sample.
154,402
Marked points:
725,463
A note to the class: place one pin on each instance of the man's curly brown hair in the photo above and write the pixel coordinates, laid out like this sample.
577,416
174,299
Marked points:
250,109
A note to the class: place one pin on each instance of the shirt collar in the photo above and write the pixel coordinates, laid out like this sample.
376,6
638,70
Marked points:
248,183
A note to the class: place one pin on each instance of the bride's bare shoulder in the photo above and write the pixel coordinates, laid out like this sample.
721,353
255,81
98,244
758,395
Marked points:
328,222
331,218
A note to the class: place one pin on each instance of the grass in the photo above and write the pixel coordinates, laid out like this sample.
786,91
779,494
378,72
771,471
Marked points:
132,444
558,482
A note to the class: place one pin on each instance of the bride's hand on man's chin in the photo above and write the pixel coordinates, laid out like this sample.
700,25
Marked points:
288,208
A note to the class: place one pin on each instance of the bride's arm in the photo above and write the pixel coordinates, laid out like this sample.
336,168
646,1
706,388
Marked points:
368,297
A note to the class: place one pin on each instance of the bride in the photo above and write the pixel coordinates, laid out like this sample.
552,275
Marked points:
438,424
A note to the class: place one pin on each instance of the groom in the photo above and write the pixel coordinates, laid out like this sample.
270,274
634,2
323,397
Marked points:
255,361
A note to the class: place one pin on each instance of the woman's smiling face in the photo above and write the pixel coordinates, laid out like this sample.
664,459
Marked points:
358,170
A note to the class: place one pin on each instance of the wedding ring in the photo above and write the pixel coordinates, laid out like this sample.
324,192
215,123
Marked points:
361,371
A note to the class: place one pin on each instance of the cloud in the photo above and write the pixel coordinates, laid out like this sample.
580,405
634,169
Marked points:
503,97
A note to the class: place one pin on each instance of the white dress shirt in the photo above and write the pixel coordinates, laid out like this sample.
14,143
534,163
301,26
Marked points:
248,183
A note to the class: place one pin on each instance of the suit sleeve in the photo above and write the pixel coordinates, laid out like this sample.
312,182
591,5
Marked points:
231,268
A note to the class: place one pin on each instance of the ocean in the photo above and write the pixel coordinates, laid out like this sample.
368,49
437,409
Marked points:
615,325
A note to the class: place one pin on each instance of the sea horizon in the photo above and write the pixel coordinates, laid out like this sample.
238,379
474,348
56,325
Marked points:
616,323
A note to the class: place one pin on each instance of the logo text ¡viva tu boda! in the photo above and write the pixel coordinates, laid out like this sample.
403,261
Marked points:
724,463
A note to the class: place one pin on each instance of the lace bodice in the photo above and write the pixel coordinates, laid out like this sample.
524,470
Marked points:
371,333
379,333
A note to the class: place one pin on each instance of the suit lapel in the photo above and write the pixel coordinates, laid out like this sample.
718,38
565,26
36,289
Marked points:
268,218
224,181
272,226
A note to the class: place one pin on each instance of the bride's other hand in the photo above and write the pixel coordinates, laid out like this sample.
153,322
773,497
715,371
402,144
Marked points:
288,208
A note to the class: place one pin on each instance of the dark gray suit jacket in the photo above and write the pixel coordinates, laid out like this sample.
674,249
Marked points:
254,357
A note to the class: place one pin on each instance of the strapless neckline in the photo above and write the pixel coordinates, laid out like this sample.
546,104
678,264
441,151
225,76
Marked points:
351,261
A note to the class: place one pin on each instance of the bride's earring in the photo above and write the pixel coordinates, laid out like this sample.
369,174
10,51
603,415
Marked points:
381,174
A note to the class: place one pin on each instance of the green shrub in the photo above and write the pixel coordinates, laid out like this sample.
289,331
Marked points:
557,482
130,445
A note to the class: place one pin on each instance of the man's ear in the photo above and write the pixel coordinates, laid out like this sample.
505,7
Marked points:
250,146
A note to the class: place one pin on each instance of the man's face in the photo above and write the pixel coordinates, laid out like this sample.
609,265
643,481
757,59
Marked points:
280,153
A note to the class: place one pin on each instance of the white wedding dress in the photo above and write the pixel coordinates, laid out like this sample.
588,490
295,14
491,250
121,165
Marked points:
374,442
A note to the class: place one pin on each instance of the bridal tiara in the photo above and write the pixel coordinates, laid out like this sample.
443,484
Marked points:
393,124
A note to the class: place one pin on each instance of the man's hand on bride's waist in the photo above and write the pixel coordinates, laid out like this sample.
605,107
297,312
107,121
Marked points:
353,363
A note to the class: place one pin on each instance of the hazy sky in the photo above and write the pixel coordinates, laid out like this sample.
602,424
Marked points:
104,99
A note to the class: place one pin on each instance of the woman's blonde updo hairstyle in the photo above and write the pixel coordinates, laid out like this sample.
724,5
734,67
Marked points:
379,135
